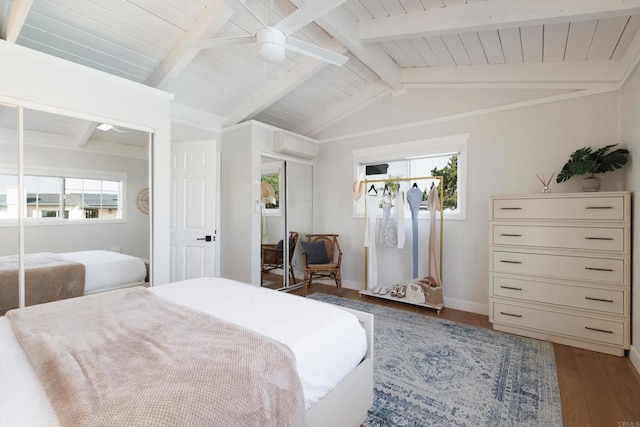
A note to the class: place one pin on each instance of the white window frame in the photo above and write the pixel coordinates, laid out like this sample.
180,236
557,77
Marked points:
78,174
444,145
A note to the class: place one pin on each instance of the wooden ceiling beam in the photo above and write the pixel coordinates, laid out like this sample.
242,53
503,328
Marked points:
490,15
342,27
552,74
17,16
276,89
86,130
347,107
208,23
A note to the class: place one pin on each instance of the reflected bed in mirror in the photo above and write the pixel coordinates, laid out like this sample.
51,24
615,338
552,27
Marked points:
51,277
81,208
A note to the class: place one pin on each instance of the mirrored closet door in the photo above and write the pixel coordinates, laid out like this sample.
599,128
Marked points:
286,219
85,211
9,196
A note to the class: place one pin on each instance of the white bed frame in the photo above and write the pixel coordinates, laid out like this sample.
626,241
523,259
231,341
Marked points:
347,404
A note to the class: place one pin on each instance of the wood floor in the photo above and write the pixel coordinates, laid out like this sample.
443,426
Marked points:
597,390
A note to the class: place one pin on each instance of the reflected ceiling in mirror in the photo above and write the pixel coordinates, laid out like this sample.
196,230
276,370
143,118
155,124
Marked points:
53,130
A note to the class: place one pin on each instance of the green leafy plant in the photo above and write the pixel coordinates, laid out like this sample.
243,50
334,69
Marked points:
392,184
449,175
585,161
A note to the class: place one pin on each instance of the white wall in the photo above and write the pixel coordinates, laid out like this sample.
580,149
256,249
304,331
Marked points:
630,125
236,204
42,82
505,151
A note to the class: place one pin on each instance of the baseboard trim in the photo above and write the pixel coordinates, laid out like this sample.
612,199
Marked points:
350,284
634,356
469,306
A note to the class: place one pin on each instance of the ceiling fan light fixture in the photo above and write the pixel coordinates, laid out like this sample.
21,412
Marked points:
104,127
271,44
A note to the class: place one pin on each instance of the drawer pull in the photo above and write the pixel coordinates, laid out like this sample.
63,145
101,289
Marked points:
514,289
599,238
598,269
513,315
510,262
511,209
598,330
598,207
598,299
510,235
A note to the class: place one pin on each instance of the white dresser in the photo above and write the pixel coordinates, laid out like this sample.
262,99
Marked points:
560,268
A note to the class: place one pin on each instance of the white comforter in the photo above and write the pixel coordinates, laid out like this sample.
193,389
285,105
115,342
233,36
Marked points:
328,342
107,270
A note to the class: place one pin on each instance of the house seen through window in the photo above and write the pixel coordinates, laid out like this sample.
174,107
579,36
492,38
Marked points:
53,197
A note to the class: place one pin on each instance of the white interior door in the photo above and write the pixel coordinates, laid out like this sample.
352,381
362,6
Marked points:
193,196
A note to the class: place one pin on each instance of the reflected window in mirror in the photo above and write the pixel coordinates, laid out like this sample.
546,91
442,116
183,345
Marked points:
51,198
270,187
8,196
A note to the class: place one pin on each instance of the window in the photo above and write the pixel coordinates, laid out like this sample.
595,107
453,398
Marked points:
271,177
272,201
52,198
444,156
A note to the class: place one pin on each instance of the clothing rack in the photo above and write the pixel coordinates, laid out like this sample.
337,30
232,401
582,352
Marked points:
417,178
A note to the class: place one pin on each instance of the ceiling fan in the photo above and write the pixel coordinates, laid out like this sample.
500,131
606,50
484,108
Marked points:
273,39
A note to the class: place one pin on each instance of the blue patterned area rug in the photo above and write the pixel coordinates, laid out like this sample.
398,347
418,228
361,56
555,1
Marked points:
434,372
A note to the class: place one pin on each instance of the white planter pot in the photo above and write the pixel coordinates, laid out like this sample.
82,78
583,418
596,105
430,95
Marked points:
590,183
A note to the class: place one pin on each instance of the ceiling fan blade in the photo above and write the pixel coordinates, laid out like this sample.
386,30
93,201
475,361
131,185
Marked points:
316,52
306,14
270,71
222,41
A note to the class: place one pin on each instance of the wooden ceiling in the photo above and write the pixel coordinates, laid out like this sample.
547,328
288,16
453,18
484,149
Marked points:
392,45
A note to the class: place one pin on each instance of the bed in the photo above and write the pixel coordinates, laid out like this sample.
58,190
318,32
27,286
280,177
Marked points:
107,270
331,346
54,276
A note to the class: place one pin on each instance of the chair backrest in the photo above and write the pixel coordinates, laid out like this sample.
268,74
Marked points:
330,244
293,242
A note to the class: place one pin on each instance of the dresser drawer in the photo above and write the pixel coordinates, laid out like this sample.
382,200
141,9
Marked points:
569,324
592,269
601,300
610,208
561,237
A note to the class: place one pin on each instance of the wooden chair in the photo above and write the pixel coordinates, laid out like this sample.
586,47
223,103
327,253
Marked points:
323,270
272,255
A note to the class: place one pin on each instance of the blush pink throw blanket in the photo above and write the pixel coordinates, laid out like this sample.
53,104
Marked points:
128,357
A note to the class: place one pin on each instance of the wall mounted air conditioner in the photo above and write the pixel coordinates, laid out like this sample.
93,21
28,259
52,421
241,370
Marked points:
285,143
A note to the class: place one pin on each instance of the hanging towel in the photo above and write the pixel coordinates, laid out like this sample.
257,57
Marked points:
433,204
414,197
400,218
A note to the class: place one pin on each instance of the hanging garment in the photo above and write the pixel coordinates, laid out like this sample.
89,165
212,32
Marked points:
414,197
400,218
372,203
433,204
387,227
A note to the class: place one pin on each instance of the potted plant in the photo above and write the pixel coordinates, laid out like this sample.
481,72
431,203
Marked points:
585,161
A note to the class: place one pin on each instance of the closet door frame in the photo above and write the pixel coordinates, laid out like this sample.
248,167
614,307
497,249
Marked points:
20,174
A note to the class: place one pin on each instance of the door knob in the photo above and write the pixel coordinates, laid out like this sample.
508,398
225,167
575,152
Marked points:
205,238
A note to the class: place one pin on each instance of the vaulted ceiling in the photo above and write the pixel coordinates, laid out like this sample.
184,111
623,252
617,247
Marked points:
392,46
